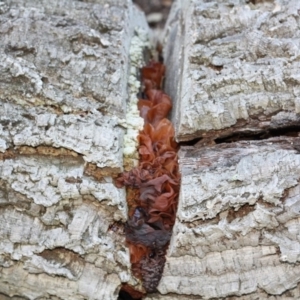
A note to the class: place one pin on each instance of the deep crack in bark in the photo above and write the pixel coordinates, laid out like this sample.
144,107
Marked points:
153,186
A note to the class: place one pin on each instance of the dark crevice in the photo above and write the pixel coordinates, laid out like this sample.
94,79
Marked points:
215,67
149,266
291,131
254,2
243,211
192,142
152,187
125,296
128,292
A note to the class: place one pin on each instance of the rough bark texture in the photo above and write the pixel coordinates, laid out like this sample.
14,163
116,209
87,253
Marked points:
238,221
259,295
233,69
232,66
64,70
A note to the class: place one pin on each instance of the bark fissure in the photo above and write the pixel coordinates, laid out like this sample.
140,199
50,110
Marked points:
153,186
233,73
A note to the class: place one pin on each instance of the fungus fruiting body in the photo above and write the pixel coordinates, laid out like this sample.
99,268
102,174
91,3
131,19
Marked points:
152,186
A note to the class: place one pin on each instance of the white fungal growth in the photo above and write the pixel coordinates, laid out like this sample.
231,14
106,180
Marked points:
134,123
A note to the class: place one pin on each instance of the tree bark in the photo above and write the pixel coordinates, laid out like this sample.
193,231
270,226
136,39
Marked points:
68,90
232,66
232,71
237,222
64,75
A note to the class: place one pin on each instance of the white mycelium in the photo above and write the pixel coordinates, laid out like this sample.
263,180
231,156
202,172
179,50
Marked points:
134,123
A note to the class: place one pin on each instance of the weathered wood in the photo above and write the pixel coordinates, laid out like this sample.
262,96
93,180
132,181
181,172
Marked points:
238,221
289,295
51,225
65,79
65,71
72,55
97,137
232,66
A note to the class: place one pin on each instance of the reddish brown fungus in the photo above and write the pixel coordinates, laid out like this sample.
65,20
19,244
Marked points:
152,187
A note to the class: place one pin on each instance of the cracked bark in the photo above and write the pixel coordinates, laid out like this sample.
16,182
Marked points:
232,68
64,71
235,236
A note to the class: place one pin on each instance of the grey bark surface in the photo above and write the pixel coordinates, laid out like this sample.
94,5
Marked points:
232,69
237,225
64,71
232,66
289,295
